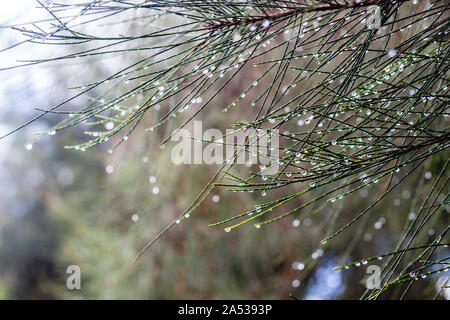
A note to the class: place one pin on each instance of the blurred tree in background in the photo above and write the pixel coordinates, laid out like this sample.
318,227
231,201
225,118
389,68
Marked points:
362,116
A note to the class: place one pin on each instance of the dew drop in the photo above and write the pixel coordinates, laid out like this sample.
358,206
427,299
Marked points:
265,23
109,169
392,52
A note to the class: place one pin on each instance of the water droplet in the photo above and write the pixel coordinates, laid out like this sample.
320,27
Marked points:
109,169
392,52
109,125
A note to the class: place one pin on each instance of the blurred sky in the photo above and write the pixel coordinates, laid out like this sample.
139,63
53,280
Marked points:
21,89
